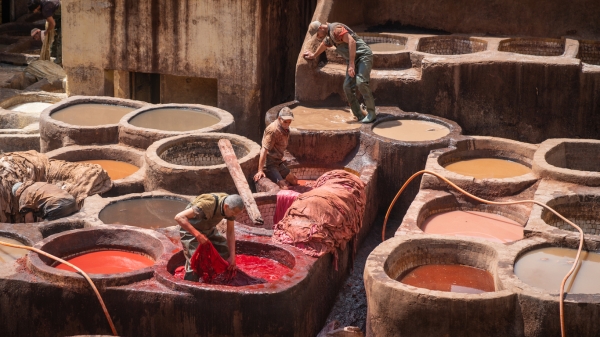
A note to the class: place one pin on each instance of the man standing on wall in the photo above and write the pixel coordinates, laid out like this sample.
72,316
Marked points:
360,61
50,10
275,141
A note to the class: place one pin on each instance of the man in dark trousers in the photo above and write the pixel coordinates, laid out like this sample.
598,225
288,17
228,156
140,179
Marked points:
50,10
360,61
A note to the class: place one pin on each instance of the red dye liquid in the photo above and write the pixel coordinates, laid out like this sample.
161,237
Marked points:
261,267
303,182
108,262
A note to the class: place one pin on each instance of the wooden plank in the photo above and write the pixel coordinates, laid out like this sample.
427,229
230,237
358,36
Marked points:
240,181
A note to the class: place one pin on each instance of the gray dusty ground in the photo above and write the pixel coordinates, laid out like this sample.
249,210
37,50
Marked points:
350,308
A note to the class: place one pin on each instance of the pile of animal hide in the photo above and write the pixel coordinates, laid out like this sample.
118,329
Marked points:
326,218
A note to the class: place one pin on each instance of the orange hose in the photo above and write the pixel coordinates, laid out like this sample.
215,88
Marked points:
110,322
562,285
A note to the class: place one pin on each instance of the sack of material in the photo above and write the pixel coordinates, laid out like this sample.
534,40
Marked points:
326,218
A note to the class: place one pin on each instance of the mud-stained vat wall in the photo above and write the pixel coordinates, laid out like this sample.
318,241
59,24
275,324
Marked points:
161,38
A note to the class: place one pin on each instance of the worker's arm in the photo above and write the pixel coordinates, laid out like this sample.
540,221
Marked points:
51,23
261,163
311,56
182,220
352,49
231,244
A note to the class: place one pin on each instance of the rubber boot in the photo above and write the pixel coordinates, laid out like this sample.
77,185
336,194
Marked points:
371,116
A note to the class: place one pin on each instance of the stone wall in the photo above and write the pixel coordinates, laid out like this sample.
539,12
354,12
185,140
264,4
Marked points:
249,47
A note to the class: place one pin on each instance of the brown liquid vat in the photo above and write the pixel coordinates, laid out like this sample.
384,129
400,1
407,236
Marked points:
318,146
133,183
389,51
399,159
192,164
143,137
55,134
396,308
477,148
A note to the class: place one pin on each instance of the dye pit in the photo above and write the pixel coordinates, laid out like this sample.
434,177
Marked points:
107,262
385,46
489,226
261,267
30,107
323,118
452,278
545,269
115,169
10,254
91,114
150,213
411,130
488,168
174,119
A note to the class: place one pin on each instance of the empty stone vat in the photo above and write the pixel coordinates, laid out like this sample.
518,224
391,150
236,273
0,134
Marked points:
589,51
399,159
146,126
192,164
95,122
442,213
484,166
571,160
396,309
73,243
577,203
533,46
125,165
324,140
451,45
540,306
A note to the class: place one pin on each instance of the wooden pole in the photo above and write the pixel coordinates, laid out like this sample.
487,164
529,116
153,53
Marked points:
240,181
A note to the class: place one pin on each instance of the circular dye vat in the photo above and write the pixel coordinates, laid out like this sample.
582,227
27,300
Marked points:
324,118
385,46
489,226
261,267
108,262
143,212
10,254
451,278
488,168
31,107
170,119
115,169
545,268
411,130
90,114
